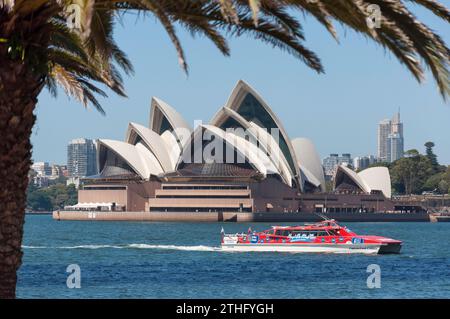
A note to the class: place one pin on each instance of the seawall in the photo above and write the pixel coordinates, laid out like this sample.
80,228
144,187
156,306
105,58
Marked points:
236,217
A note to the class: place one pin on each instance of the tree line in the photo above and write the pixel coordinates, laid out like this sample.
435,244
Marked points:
51,198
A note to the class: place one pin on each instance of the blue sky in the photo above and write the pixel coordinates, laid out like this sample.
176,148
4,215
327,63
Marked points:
338,110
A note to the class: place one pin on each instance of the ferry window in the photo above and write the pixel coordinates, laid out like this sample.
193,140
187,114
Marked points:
301,233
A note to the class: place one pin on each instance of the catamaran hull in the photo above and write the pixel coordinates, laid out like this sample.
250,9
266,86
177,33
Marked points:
305,248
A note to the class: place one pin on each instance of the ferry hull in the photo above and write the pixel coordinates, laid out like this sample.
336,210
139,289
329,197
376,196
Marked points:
305,248
393,248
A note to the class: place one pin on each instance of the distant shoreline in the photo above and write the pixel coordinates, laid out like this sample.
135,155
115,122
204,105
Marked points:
237,217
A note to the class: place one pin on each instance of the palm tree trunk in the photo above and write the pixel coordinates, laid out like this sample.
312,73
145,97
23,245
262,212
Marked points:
18,97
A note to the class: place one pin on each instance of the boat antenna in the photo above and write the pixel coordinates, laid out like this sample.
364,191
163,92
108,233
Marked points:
323,216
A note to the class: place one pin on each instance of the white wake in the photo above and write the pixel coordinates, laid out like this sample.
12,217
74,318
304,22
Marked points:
174,247
132,246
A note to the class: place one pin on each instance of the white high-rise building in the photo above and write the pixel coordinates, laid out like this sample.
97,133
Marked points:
81,158
395,142
390,139
384,129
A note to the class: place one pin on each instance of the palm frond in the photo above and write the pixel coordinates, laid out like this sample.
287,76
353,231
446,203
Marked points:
37,35
77,87
254,6
228,11
434,6
160,12
271,34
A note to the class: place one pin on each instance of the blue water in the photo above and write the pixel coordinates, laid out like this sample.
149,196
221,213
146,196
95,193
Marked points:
181,260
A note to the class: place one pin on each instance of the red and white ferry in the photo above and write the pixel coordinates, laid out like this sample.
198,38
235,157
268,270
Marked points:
322,237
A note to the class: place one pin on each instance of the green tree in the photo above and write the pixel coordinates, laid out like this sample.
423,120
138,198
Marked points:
432,183
72,193
438,181
410,173
40,48
443,186
431,156
39,201
58,196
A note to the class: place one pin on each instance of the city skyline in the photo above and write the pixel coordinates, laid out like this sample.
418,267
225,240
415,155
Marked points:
386,129
339,111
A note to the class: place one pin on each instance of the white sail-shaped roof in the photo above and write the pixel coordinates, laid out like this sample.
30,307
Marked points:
310,177
368,180
258,137
267,141
249,104
377,178
138,157
154,142
173,147
309,160
246,150
164,117
161,147
343,171
224,114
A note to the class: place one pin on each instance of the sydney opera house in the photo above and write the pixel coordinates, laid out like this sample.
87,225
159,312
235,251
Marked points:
242,161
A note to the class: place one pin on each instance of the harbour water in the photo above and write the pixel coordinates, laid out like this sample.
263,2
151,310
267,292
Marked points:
182,260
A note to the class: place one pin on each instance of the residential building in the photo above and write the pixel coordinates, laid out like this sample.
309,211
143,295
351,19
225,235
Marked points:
390,139
81,158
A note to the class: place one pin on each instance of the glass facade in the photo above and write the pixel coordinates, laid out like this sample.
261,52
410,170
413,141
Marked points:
165,125
230,123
